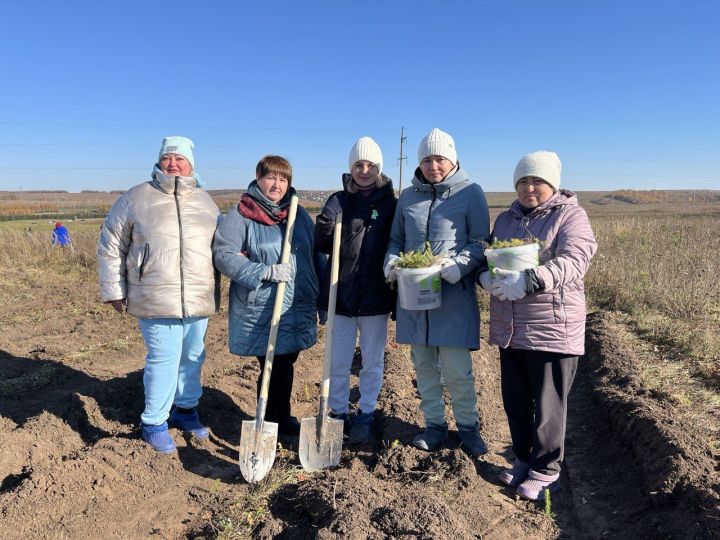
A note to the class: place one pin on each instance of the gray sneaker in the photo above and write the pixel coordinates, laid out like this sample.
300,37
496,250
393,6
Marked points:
515,476
432,438
534,486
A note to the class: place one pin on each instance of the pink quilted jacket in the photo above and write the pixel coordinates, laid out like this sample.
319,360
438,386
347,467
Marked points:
553,318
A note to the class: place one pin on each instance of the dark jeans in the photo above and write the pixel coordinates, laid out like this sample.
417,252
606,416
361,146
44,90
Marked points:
280,390
535,386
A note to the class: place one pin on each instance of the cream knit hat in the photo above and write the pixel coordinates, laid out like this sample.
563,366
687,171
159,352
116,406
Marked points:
178,145
437,143
366,149
542,164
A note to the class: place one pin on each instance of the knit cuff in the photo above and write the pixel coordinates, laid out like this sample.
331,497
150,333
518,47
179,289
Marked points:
532,282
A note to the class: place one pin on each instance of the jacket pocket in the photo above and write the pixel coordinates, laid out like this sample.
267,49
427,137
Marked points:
559,308
143,261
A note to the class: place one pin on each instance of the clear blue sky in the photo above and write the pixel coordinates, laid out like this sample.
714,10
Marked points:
627,92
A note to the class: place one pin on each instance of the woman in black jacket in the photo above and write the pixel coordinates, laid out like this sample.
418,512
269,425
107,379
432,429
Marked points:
364,300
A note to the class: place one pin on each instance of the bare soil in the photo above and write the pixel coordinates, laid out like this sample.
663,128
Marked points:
72,464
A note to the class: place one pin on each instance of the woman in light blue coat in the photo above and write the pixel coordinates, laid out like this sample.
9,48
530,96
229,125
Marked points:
247,249
444,207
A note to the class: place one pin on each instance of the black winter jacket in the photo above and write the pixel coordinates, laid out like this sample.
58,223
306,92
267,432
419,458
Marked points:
366,224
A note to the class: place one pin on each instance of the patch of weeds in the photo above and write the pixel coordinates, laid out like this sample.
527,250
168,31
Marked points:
19,386
248,512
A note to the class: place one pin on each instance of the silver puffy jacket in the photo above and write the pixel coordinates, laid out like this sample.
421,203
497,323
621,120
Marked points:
155,249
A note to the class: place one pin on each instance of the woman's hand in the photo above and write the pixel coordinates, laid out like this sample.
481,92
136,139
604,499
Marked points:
450,271
389,269
279,272
485,281
119,305
509,284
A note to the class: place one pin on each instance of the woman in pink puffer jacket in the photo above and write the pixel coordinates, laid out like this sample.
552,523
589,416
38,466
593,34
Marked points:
537,318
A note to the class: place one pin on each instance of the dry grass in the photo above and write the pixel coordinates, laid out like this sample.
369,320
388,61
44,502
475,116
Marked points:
663,271
33,249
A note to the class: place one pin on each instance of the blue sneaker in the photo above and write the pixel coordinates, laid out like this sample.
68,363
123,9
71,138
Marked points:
188,422
432,438
158,437
345,417
361,429
471,439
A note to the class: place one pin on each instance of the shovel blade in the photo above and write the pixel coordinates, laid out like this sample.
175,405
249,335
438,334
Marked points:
257,450
320,448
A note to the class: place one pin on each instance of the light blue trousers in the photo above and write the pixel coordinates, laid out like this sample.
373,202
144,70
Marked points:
175,355
373,331
453,366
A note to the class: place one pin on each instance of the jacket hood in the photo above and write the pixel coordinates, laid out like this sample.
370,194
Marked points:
560,198
350,186
452,184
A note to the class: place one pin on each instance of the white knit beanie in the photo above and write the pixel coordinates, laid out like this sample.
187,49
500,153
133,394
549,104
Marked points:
178,145
368,150
542,164
437,143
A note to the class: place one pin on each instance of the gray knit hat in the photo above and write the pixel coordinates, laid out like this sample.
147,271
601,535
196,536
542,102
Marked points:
542,164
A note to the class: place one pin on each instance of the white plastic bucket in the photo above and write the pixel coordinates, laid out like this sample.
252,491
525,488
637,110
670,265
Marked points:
419,288
516,258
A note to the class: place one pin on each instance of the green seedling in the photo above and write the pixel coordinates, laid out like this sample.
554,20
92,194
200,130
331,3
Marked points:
513,242
548,505
417,259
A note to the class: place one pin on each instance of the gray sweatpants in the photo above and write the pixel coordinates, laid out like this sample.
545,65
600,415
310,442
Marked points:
453,366
373,338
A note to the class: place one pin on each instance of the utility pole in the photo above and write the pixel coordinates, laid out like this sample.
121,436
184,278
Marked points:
402,158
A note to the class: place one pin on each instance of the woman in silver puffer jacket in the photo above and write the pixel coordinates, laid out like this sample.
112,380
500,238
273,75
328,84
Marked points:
155,262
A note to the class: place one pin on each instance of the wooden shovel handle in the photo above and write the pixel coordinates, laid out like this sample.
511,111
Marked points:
332,301
279,297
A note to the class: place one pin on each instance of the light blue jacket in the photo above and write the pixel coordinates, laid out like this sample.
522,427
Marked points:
453,215
243,249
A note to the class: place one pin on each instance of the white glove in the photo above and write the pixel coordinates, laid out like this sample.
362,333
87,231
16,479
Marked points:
450,271
486,281
508,284
279,272
389,269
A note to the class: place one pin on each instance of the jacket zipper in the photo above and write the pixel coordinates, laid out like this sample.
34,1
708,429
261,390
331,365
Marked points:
427,235
182,276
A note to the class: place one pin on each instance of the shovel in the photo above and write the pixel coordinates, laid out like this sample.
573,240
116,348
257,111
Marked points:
258,439
321,436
